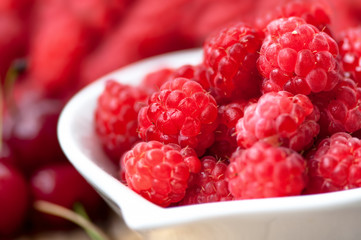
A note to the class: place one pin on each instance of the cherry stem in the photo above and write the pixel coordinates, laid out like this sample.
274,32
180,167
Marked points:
50,208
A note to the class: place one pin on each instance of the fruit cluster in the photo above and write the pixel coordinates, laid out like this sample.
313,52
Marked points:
272,110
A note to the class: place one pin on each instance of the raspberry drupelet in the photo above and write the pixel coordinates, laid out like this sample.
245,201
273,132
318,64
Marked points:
263,171
116,117
297,57
334,164
159,172
280,118
209,185
181,112
230,56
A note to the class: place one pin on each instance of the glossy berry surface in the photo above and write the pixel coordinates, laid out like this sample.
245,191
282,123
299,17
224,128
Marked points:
116,117
334,164
159,172
279,118
231,57
14,199
209,185
297,57
61,184
264,170
181,112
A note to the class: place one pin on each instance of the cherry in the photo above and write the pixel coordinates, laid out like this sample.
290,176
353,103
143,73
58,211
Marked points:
13,199
61,184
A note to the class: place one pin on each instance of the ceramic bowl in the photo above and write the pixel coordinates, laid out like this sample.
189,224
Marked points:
323,216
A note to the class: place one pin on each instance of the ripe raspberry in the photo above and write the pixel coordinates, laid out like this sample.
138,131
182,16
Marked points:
225,142
196,73
350,50
159,172
279,118
297,57
339,108
312,12
116,117
182,112
334,165
209,185
231,56
153,80
265,171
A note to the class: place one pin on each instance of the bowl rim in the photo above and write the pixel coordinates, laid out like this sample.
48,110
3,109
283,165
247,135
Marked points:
137,212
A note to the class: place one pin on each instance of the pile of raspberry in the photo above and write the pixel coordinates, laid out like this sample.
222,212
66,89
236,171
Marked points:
271,111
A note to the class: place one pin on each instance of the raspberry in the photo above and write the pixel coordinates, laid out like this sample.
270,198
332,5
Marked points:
339,108
334,165
153,80
225,138
297,57
313,13
116,117
196,73
350,50
266,171
280,118
231,56
182,112
209,185
158,172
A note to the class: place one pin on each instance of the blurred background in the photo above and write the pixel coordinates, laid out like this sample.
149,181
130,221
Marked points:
49,49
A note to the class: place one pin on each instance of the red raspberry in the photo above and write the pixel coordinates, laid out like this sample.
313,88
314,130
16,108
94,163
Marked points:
225,137
154,80
312,12
350,50
159,172
209,185
339,108
182,112
116,117
297,57
266,171
196,73
280,118
231,56
334,165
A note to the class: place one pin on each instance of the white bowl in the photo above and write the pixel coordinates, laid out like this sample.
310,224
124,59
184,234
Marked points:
323,216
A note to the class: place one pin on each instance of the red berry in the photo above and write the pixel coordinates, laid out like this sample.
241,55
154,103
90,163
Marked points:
334,164
116,117
154,80
297,57
196,73
13,199
181,112
280,118
61,184
350,50
159,172
225,142
230,56
264,170
312,12
339,108
209,185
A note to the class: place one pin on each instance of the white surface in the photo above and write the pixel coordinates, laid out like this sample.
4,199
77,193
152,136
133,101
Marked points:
324,216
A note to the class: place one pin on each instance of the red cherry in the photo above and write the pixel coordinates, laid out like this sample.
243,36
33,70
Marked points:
13,199
61,184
